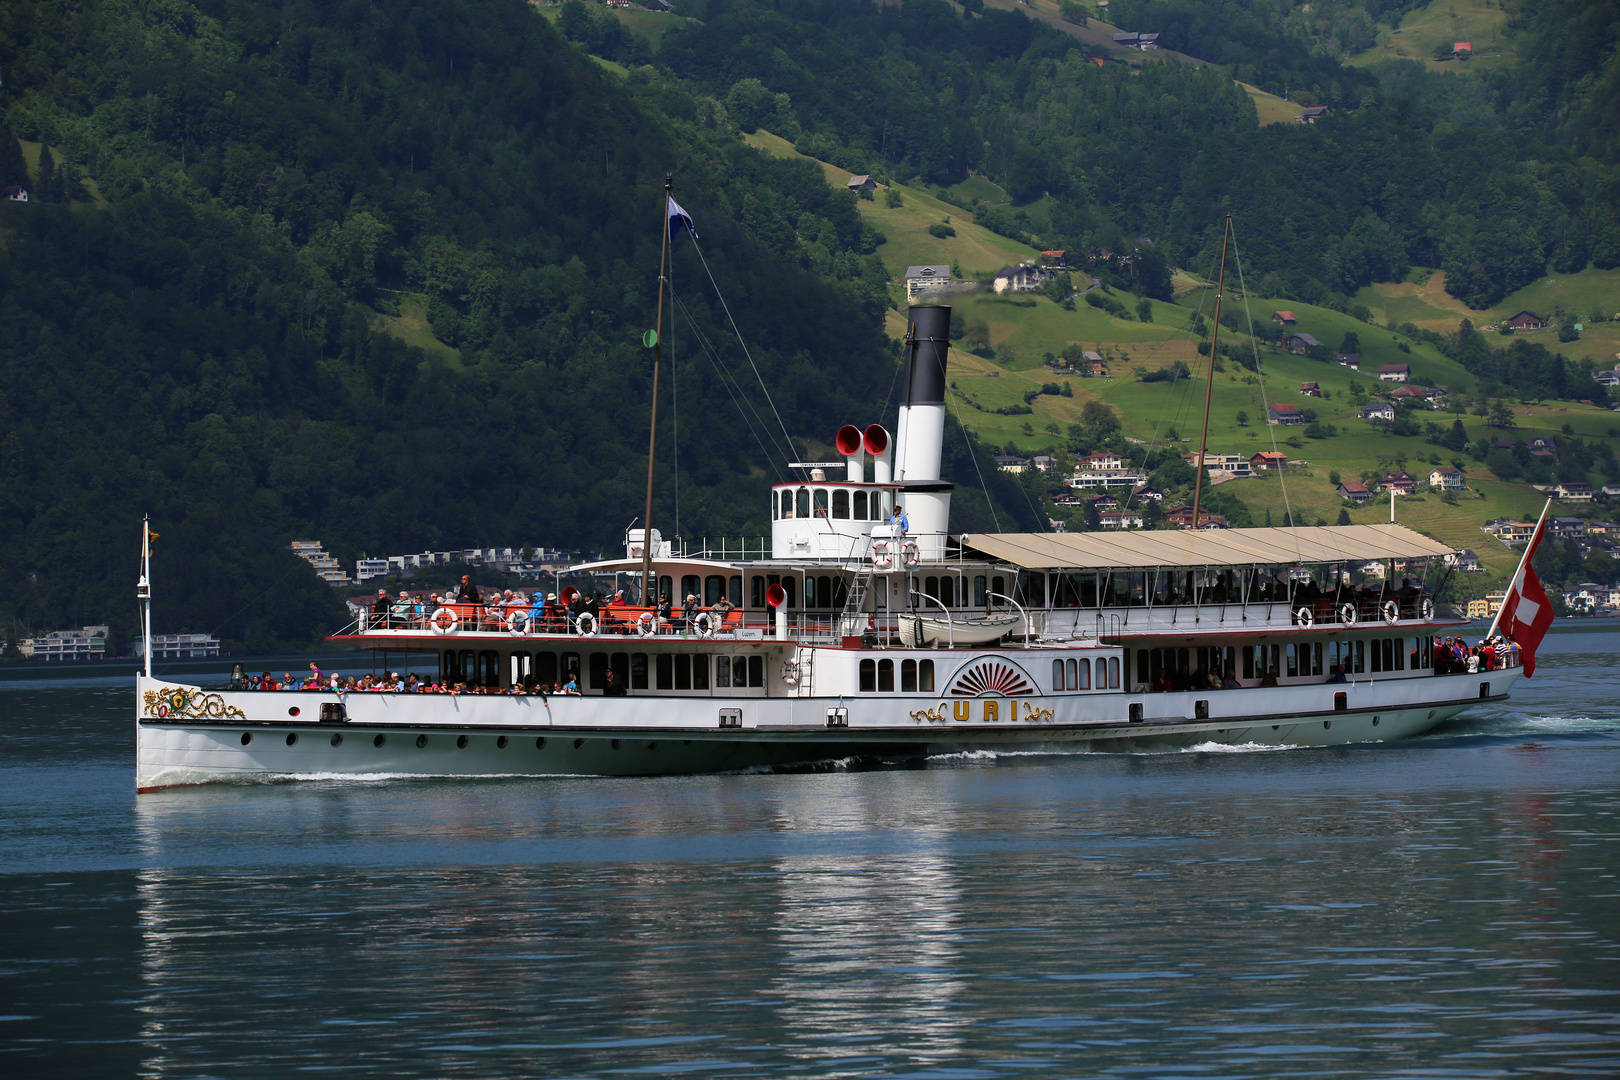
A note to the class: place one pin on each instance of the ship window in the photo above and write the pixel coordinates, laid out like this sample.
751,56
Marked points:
545,668
700,671
1361,657
804,502
666,587
756,592
860,506
1079,675
979,589
1377,656
739,671
931,587
734,590
489,667
810,595
598,671
925,676
517,666
821,502
1400,654
689,587
1293,660
997,585
1057,675
467,667
1248,661
840,593
722,671
786,510
664,670
840,504
756,670
791,587
683,672
885,676
638,671
908,676
868,676
714,587
776,508
1102,674
1315,654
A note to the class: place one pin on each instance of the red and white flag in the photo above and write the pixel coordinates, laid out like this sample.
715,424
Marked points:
1526,612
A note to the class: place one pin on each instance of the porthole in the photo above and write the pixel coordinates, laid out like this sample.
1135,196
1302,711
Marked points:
540,743
614,743
1375,720
421,741
461,742
379,740
500,743
293,711
292,737
578,743
652,746
247,737
337,738
1327,723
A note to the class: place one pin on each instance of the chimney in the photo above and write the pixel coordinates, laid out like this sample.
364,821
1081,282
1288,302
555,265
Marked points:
926,498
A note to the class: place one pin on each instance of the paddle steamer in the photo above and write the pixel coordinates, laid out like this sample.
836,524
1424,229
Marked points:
851,639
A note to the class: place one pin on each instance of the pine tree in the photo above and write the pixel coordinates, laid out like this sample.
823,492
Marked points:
13,169
45,176
1344,517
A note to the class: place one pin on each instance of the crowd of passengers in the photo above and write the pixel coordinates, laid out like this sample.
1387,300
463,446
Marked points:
541,613
392,682
1452,656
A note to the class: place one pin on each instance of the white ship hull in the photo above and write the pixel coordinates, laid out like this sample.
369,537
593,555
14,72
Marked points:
250,735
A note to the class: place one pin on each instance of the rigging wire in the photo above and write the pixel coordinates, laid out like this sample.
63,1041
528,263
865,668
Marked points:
982,485
675,407
1260,376
727,309
733,391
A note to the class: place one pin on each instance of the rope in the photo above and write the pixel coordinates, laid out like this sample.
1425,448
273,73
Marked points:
1260,376
982,485
727,382
675,407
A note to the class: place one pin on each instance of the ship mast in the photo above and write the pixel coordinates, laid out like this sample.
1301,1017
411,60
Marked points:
143,593
647,597
1209,387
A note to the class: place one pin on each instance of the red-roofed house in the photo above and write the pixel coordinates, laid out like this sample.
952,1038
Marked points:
1462,50
1355,491
1402,483
1284,414
1310,389
1284,317
1526,320
1269,459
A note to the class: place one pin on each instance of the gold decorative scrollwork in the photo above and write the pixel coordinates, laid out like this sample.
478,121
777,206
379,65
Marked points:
936,715
177,702
1032,713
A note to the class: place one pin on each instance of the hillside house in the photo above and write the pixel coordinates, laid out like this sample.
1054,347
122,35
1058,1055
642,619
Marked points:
1026,277
1299,343
1351,360
1268,459
1042,462
1401,483
1378,410
1054,259
1100,479
1100,503
1543,442
1465,560
1447,479
1140,42
1310,389
1102,461
1574,492
1284,318
1010,463
1462,50
1313,114
1218,465
1607,377
14,193
1567,528
861,183
1610,491
1145,492
1121,519
1394,372
1526,320
1355,491
1181,517
920,280
1284,414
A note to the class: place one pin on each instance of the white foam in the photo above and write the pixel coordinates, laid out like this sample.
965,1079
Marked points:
1236,748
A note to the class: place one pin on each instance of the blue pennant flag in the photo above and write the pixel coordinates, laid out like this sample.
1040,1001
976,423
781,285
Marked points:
679,219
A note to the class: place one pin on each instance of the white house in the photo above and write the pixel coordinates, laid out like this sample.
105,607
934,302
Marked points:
1378,410
926,279
1447,479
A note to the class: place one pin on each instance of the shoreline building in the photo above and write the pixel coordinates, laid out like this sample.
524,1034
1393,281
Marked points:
87,643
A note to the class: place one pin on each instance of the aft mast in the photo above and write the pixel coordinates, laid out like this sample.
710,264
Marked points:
1209,386
647,597
143,593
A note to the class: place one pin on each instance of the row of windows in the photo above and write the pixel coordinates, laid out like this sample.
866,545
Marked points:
916,676
788,503
667,671
1076,674
1294,660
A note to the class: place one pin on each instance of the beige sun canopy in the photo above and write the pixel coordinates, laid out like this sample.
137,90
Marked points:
1205,547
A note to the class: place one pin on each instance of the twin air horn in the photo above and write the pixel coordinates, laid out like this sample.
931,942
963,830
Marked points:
852,443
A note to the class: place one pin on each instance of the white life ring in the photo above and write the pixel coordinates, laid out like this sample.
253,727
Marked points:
881,558
1303,617
1426,609
1392,612
439,626
1347,614
646,625
514,619
703,623
790,672
585,624
909,555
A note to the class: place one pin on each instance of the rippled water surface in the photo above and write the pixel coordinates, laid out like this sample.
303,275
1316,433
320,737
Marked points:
1446,906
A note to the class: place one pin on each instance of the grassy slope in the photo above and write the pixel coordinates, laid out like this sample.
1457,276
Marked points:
976,249
1444,22
1272,109
411,326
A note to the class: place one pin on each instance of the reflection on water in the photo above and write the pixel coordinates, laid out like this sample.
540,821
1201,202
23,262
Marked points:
1441,906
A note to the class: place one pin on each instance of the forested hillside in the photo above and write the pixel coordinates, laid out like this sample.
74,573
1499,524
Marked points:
199,345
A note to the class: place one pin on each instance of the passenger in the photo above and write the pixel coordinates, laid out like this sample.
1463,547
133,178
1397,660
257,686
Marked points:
618,599
1270,678
689,612
267,681
571,688
1473,661
1162,683
468,593
1231,680
1181,680
314,673
613,688
898,521
662,612
722,609
1338,675
400,614
379,610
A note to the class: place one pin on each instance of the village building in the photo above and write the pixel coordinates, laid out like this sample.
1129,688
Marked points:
1010,463
1378,410
1181,516
1310,389
1298,344
1042,462
88,643
1401,483
1102,461
1145,492
1284,414
1351,360
1446,478
1574,492
920,280
1100,503
1314,113
179,646
1394,372
1465,560
1525,320
1286,318
1026,277
862,183
14,193
1268,459
1355,491
1235,466
1122,519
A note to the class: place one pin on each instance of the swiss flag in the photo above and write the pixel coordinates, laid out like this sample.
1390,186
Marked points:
1526,612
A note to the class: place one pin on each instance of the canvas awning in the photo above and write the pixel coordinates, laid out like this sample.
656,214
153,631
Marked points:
1205,547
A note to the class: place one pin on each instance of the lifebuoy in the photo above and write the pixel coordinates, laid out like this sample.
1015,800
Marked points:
790,672
440,626
1303,617
703,623
585,624
909,555
1392,612
1347,614
514,619
1426,609
646,625
881,558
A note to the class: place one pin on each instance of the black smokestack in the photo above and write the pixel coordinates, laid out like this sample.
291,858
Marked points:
928,340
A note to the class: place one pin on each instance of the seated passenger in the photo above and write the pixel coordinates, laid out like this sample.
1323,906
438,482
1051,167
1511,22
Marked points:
1162,683
379,610
1338,675
1231,681
721,608
468,593
1270,678
613,688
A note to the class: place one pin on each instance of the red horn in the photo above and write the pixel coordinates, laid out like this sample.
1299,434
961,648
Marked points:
877,440
568,594
776,596
848,440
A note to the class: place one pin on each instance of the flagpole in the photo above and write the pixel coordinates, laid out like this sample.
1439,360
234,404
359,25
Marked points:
1518,575
647,597
1209,387
143,592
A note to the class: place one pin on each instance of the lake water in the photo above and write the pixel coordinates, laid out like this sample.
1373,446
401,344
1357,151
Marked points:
1446,906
